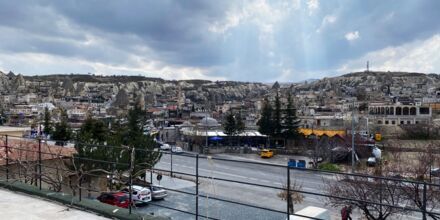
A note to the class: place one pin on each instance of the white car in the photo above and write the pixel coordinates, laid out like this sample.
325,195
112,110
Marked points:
165,147
312,212
371,161
176,149
158,192
435,172
139,194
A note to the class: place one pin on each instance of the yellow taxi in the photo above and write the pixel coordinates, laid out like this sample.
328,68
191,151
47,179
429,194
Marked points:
265,153
378,137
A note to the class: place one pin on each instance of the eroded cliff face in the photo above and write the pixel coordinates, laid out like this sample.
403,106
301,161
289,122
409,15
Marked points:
120,87
376,84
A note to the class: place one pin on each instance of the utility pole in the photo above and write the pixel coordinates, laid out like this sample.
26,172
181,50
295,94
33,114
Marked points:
368,130
206,127
352,140
314,138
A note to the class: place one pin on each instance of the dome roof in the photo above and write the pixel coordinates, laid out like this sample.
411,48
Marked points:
186,124
208,122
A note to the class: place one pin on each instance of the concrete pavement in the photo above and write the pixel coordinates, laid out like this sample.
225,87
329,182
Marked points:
14,205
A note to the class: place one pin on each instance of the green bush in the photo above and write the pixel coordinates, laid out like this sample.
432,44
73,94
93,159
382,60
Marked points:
329,167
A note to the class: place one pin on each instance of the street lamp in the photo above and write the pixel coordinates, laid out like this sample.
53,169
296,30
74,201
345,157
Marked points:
206,132
353,154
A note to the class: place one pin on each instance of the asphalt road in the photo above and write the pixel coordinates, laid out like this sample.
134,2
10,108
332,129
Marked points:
248,194
254,195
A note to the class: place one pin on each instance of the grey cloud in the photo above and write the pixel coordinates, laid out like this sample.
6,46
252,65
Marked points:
178,30
176,33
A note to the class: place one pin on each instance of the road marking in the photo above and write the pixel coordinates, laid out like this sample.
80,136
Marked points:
209,172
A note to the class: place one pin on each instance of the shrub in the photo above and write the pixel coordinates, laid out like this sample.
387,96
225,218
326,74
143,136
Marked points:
329,167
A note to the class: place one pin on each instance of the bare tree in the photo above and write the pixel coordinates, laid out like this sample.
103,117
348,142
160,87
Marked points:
418,169
295,197
24,157
375,198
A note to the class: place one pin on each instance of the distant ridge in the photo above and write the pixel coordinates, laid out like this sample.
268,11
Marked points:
377,73
93,78
131,78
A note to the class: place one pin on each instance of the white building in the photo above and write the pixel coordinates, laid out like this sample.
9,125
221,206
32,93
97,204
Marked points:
383,114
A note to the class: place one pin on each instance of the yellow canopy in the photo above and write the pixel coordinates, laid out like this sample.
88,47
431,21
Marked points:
320,132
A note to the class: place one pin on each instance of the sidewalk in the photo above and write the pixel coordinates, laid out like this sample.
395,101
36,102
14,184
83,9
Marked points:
172,183
19,206
276,159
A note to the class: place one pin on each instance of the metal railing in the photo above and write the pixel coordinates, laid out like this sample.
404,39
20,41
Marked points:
13,160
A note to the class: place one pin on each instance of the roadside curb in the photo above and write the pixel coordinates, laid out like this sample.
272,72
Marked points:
85,204
234,157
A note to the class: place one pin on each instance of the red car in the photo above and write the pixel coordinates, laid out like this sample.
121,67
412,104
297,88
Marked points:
115,198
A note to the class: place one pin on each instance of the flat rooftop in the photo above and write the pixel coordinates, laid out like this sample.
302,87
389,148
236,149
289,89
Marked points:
15,205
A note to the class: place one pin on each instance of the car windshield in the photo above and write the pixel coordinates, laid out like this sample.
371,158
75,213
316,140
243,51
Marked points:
122,198
155,188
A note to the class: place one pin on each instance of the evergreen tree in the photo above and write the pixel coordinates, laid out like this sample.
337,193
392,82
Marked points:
239,124
2,117
95,141
47,122
229,126
89,140
145,156
265,124
92,131
62,132
291,122
277,126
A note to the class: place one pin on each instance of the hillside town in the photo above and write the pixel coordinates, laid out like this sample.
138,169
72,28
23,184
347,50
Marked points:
220,110
382,102
364,123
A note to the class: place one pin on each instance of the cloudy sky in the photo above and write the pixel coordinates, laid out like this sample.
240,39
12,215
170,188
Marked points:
261,40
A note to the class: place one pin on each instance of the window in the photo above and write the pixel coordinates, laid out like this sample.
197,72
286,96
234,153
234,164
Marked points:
386,122
379,122
398,111
405,110
424,110
408,122
412,111
393,122
402,122
123,198
417,122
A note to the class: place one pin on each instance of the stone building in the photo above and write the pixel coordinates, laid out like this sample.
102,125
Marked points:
396,114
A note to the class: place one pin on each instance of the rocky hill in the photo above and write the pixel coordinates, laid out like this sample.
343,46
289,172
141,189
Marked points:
370,85
199,91
376,84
